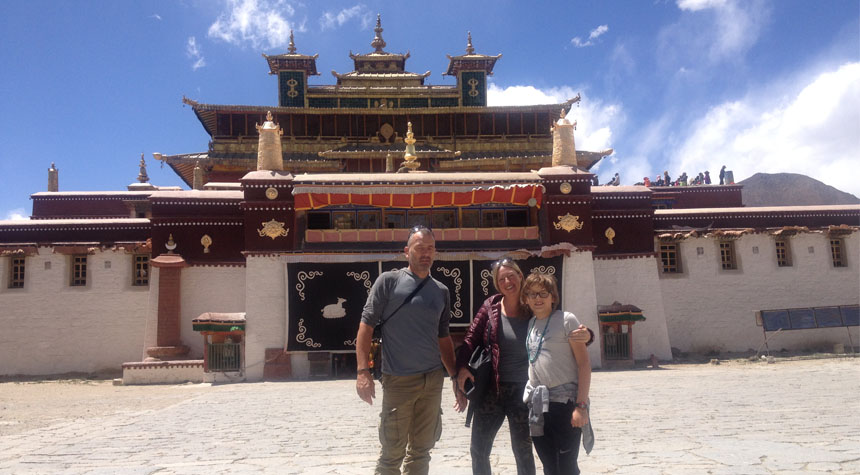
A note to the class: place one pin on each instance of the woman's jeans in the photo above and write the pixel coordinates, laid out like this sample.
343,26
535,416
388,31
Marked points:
488,418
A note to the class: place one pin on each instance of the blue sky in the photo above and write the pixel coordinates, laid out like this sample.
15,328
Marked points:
682,85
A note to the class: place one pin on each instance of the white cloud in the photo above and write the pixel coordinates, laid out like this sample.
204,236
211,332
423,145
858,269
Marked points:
156,16
595,33
723,29
808,127
331,20
16,214
596,121
696,5
193,52
258,23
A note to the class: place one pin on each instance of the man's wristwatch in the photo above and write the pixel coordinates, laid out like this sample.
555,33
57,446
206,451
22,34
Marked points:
361,370
581,405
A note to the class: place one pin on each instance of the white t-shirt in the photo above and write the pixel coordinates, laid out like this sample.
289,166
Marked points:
555,364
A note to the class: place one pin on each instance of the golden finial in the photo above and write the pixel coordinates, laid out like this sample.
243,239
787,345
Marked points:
292,47
469,48
409,157
378,43
269,115
142,177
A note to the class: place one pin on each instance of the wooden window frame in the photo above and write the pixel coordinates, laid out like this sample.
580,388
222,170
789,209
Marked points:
837,252
728,256
78,275
17,268
783,253
670,258
140,270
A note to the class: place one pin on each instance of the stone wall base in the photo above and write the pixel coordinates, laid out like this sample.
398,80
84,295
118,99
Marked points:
163,372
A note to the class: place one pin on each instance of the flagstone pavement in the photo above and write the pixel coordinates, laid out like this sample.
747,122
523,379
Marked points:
791,417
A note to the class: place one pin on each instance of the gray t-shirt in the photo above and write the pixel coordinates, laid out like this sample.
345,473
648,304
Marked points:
410,339
513,364
555,364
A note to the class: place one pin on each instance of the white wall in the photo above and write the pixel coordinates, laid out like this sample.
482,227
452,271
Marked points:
218,289
578,297
634,281
49,327
265,311
712,309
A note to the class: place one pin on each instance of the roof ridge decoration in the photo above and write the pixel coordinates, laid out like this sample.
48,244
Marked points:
291,48
470,60
378,43
469,48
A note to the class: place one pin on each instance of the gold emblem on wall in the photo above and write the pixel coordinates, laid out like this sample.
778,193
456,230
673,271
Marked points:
568,223
206,241
610,235
273,229
292,92
473,84
565,188
271,193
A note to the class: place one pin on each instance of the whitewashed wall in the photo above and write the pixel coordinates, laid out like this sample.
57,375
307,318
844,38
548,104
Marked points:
712,309
265,312
635,281
49,327
578,297
218,289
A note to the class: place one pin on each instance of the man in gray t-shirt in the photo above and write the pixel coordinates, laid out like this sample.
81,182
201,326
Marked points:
416,344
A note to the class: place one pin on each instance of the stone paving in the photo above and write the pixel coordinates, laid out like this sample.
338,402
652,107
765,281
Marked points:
740,418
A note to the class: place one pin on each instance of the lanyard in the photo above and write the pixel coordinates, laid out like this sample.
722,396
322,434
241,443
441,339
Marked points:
533,357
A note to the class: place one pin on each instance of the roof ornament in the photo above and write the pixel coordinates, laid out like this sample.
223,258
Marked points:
378,43
142,177
291,49
410,162
53,178
469,48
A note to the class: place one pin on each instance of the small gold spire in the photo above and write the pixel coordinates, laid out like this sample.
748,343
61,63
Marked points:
469,48
142,177
292,48
378,43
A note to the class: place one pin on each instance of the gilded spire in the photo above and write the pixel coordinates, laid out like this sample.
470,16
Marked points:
378,43
469,48
292,47
142,177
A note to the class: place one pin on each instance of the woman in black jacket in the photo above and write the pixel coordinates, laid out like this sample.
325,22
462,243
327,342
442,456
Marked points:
508,320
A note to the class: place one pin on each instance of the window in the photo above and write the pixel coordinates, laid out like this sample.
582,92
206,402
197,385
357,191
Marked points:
670,258
394,219
783,256
79,271
443,218
343,219
517,217
727,255
16,276
494,218
368,219
141,270
470,218
319,220
418,218
837,252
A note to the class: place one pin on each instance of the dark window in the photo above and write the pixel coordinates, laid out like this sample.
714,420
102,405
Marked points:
394,219
783,254
368,219
517,217
415,218
238,124
837,252
16,277
493,218
79,271
343,219
669,257
319,220
141,270
471,218
444,218
727,255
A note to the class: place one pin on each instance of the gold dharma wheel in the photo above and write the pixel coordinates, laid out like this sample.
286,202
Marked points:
565,187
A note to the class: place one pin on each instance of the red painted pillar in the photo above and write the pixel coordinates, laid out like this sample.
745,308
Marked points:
168,341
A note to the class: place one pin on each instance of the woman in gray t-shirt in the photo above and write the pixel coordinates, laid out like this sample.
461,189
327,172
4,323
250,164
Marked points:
559,378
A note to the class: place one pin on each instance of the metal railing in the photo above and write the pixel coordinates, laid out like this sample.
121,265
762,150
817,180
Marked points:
225,357
616,346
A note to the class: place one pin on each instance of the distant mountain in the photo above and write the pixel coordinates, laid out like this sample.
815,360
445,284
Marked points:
791,189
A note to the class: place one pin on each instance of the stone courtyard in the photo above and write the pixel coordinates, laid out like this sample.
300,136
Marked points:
739,417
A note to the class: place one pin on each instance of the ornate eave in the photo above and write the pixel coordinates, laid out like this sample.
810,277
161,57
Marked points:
280,62
471,61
